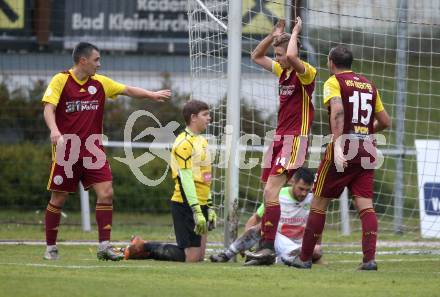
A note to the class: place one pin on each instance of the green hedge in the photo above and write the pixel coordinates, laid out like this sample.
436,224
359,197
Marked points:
24,171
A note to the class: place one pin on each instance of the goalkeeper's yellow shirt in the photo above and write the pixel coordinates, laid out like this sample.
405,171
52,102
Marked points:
190,151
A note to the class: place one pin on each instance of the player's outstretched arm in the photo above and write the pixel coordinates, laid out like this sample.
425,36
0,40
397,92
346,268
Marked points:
49,118
382,121
140,93
292,48
258,56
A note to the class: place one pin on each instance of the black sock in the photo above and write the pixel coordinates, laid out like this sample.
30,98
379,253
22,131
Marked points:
164,251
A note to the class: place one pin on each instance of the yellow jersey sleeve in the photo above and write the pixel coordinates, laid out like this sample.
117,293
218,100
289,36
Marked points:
331,89
183,154
55,88
276,68
111,87
379,106
309,74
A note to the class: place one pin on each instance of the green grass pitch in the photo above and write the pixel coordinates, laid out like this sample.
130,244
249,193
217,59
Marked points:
78,273
403,271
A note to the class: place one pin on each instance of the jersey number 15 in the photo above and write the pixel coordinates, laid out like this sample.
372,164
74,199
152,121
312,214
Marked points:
365,104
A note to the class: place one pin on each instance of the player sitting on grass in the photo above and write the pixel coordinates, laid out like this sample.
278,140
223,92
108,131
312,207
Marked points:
295,204
191,204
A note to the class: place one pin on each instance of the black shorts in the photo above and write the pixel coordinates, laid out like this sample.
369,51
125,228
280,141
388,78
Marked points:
184,224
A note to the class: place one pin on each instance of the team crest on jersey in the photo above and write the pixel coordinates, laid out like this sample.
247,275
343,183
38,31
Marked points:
58,180
92,90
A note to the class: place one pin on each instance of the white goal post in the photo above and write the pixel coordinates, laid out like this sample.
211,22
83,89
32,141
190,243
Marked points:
394,44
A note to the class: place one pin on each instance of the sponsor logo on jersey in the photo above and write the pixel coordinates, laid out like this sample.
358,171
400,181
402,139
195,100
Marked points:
286,90
78,105
294,220
207,177
361,130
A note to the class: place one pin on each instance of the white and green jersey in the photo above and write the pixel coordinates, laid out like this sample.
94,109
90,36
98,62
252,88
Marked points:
293,216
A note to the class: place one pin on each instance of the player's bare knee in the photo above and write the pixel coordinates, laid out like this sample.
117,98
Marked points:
192,255
105,195
270,194
58,198
320,203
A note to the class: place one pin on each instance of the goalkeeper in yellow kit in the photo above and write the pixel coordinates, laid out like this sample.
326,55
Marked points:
191,204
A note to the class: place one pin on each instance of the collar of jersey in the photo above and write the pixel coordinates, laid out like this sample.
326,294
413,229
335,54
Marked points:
288,72
345,71
80,82
191,133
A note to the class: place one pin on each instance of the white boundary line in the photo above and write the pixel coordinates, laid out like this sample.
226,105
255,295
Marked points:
118,265
380,243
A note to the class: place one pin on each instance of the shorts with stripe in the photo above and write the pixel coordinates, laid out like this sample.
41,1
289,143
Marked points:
61,179
284,156
330,183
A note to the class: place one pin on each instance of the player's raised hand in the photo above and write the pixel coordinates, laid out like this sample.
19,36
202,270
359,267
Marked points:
298,26
162,95
278,29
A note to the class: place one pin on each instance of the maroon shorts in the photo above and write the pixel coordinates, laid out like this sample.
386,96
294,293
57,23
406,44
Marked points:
60,182
284,156
330,183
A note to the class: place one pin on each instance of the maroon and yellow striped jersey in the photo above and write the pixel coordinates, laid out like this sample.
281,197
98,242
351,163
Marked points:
360,100
295,113
80,104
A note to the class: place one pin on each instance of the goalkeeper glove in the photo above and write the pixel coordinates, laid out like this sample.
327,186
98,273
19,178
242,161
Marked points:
199,220
212,219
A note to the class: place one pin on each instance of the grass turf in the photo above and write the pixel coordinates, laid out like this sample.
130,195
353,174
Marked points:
79,273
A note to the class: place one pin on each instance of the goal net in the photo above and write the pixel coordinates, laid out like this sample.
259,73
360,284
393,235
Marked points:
395,46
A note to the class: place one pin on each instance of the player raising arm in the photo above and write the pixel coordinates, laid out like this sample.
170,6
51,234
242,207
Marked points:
356,112
73,110
296,82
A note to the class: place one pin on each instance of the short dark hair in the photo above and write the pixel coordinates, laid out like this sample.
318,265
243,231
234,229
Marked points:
193,107
83,49
304,174
341,56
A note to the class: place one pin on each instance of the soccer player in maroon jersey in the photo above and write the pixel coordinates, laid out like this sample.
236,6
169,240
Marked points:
355,112
295,115
73,110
